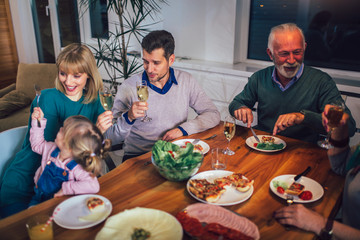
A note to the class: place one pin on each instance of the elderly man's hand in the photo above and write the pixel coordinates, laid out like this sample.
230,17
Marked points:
104,121
137,110
287,120
172,134
245,115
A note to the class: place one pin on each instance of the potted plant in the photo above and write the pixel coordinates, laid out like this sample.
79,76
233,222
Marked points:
112,52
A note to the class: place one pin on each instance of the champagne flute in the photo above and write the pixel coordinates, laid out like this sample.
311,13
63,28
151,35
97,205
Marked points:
334,116
107,100
143,95
229,131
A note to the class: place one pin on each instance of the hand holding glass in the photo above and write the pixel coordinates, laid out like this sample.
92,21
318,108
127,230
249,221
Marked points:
334,116
143,95
107,100
229,131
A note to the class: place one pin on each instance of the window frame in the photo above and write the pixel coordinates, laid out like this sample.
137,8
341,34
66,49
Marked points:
242,36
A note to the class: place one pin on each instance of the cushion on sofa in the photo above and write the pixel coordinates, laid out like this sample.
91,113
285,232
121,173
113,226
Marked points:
42,74
12,102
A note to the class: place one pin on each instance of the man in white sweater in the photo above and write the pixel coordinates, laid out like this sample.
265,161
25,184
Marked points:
171,93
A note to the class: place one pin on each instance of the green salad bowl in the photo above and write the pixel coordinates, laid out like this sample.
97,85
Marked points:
178,172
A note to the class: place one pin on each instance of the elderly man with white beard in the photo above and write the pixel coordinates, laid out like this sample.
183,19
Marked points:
290,95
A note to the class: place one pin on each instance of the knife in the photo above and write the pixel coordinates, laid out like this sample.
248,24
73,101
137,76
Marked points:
255,136
297,177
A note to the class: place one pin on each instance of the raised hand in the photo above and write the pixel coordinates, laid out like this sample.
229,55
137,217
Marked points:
37,114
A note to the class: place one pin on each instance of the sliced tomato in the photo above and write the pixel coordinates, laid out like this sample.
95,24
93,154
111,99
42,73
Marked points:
171,153
255,144
306,195
280,190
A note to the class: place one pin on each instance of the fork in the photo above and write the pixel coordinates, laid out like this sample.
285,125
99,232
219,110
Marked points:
38,93
198,140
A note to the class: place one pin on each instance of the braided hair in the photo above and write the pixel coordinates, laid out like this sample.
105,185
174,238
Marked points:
86,143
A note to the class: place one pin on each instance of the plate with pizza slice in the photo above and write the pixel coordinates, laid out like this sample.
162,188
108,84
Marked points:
220,187
201,146
284,185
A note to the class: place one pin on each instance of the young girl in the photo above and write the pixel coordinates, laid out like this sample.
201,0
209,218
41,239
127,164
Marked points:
69,165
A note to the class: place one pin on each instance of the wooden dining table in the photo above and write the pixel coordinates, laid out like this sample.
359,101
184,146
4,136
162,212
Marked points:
135,183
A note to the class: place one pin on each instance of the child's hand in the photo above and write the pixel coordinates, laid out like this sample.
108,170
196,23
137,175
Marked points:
59,193
37,113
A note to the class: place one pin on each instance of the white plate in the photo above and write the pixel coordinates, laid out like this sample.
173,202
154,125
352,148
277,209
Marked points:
203,144
121,226
310,185
251,140
73,208
230,197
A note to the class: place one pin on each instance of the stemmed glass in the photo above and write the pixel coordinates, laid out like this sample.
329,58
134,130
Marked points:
143,95
107,100
334,116
229,131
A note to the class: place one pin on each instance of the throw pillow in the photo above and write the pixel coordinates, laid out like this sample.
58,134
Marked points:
13,101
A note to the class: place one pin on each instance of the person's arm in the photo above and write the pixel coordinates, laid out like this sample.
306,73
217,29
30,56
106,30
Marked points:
208,115
306,219
122,104
241,105
37,140
340,153
84,182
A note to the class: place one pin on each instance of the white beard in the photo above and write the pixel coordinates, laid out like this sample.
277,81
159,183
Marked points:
287,74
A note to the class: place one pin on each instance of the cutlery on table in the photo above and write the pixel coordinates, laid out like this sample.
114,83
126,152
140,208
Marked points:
307,170
38,93
198,140
255,136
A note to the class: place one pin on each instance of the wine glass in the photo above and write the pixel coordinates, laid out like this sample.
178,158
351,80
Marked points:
229,131
107,100
334,116
143,95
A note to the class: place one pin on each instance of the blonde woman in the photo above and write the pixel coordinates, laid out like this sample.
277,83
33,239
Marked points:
76,93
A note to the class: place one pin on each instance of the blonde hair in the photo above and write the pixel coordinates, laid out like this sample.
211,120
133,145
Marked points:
77,58
286,27
86,143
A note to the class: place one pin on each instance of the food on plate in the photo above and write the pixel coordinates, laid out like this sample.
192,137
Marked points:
306,195
96,207
197,147
205,221
205,190
295,189
267,139
140,234
268,143
175,162
95,204
280,190
212,191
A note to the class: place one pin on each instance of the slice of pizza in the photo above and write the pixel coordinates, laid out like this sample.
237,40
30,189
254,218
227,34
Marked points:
295,189
241,183
205,190
224,181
